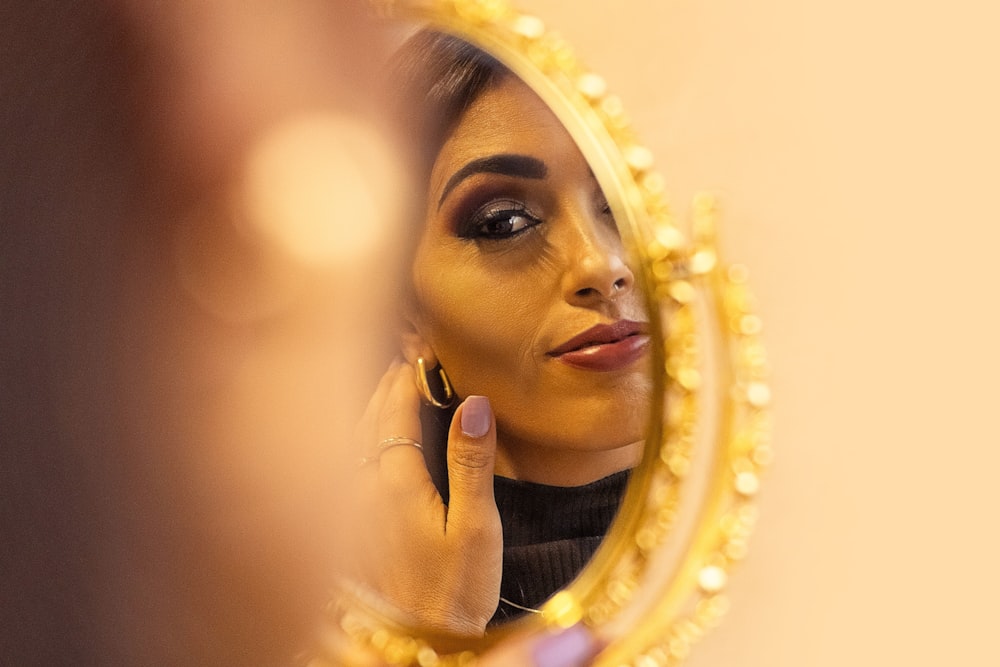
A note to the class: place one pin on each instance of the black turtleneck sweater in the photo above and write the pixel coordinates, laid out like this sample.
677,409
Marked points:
549,534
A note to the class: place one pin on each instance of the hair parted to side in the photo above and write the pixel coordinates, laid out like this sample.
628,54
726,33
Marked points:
435,78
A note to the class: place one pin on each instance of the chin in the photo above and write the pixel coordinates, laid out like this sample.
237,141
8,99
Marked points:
600,434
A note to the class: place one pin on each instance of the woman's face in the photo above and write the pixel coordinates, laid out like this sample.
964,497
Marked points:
524,295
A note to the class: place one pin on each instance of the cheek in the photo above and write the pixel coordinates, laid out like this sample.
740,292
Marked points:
479,326
460,316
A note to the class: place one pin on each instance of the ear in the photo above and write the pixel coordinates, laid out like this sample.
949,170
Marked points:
413,343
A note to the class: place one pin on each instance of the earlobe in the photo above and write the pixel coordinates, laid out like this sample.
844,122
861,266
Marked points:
414,346
432,380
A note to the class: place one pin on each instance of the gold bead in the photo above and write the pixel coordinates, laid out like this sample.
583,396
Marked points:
747,483
592,86
530,27
703,261
758,394
712,579
639,158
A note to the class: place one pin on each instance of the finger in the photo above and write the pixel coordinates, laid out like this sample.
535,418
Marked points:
366,438
471,459
402,467
575,646
399,414
366,431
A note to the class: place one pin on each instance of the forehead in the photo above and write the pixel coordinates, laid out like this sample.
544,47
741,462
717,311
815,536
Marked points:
506,118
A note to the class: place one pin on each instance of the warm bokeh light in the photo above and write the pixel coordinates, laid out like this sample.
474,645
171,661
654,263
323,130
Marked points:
194,298
320,186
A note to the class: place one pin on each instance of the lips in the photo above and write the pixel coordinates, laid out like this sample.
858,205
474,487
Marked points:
605,347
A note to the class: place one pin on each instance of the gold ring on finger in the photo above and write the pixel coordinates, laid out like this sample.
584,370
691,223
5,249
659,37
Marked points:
388,443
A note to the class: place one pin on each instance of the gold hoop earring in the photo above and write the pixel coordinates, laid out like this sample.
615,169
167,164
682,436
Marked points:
425,388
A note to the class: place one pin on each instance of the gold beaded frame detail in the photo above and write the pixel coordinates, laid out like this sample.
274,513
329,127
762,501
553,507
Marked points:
654,607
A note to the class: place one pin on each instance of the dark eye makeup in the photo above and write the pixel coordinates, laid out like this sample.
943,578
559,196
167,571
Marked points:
497,220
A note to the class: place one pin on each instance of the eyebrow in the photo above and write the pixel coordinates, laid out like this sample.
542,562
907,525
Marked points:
509,164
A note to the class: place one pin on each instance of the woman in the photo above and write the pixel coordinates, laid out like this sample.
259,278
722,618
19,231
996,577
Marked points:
522,303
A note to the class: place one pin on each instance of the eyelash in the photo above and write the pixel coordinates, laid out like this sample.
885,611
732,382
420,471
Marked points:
496,212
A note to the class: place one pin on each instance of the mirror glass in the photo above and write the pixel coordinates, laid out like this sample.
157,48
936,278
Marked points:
533,458
523,320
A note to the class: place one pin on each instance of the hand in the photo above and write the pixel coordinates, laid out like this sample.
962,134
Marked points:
439,565
576,646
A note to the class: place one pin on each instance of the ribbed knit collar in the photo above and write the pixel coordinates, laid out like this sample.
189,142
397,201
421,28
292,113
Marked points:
549,534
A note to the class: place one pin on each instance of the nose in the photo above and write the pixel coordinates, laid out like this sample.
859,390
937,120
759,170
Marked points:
596,269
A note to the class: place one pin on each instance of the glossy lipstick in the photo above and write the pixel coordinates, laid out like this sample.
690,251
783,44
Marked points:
605,347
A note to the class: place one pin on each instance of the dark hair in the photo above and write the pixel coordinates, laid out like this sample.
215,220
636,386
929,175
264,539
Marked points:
434,79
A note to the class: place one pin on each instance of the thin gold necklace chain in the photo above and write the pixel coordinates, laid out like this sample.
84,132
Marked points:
518,606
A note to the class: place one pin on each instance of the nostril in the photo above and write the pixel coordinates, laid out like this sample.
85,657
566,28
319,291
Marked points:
616,287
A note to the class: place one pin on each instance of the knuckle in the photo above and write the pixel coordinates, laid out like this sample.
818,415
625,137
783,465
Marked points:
473,459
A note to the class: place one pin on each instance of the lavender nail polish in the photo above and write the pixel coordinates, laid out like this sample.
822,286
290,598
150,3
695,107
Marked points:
476,416
570,648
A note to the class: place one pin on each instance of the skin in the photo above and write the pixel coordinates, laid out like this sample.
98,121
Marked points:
437,566
490,306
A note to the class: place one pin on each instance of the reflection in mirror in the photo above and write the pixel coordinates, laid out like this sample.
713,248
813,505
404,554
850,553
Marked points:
498,447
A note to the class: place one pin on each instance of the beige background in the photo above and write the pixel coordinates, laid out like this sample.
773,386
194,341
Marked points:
855,146
170,468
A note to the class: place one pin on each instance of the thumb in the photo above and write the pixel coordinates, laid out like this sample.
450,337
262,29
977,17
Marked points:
472,444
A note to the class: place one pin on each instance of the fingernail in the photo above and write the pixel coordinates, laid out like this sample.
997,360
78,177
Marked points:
571,647
476,416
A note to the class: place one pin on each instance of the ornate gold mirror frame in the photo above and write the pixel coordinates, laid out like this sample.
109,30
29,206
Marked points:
657,583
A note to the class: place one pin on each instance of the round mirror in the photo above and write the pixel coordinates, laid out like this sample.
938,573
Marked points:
553,314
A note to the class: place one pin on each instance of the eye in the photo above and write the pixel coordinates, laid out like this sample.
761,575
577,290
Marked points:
601,204
498,220
604,210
